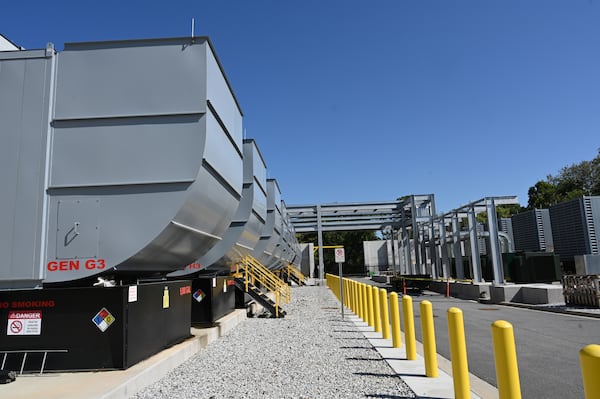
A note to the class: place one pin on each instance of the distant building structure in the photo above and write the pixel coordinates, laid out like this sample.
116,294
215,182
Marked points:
575,226
379,255
307,264
532,231
505,226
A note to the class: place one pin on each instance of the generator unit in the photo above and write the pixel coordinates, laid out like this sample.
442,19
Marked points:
122,164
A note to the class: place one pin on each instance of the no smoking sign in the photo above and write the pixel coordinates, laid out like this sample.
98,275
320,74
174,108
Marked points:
16,327
25,322
340,256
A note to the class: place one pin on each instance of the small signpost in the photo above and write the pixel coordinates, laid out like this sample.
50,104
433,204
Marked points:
340,258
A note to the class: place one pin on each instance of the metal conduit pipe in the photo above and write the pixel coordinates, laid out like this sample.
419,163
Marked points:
464,235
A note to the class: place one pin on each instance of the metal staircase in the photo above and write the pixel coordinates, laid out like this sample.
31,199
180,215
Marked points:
253,278
290,273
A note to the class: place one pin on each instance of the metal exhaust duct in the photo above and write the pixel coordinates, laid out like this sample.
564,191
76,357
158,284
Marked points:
120,158
244,231
264,250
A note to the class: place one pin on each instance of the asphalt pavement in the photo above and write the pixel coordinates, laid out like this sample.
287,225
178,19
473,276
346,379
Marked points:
547,343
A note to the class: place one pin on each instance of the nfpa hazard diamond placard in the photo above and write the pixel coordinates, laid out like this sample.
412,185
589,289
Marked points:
199,295
103,319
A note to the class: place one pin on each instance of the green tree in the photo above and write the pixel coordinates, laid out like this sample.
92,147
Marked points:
571,182
542,195
502,211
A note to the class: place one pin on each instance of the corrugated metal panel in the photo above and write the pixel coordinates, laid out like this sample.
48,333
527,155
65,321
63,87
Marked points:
532,231
574,227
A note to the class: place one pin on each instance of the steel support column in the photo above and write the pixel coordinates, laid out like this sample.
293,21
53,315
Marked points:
433,252
416,235
320,244
444,249
494,245
393,252
474,244
456,248
406,243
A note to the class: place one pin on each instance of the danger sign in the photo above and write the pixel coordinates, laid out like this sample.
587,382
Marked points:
27,322
340,256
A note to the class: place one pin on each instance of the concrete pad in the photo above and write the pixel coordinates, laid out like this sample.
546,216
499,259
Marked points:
412,372
118,384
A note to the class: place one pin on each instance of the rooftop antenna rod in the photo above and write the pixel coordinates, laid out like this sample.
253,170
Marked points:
193,28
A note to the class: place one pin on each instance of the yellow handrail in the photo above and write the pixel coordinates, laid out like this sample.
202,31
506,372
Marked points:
299,275
253,271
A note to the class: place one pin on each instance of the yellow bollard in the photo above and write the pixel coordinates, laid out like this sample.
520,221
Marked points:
346,293
429,348
354,298
350,295
409,328
359,301
395,311
365,304
371,306
505,354
385,319
589,358
376,309
458,354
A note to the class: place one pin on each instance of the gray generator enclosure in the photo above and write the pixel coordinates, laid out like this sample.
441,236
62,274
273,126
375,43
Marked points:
264,250
244,231
116,157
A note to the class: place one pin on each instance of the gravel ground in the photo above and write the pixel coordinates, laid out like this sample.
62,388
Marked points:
311,353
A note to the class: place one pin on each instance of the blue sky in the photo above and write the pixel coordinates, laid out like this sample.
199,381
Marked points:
372,100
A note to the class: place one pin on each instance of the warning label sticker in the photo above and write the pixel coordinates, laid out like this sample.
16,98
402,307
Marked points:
25,322
103,319
199,295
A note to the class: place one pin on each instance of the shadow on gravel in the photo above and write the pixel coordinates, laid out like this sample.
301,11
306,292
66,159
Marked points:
410,375
376,395
367,374
369,359
358,347
347,331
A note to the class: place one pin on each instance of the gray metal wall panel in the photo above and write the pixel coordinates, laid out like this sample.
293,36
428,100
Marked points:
222,99
307,259
125,226
260,181
525,231
24,104
251,233
244,232
222,155
568,229
260,172
127,151
98,80
593,223
273,195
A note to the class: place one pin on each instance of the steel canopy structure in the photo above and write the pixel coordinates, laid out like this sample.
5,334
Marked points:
425,240
405,214
440,235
